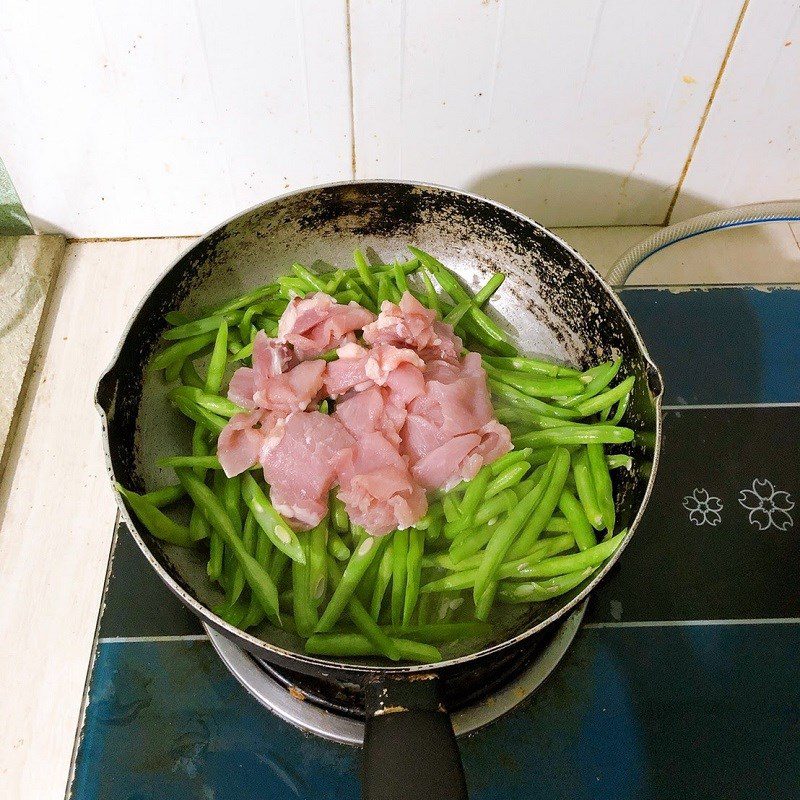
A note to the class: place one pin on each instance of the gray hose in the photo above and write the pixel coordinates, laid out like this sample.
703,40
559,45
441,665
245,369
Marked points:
777,211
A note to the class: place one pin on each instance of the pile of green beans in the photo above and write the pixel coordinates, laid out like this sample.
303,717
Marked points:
529,527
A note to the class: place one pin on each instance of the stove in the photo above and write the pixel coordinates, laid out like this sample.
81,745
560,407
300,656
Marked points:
681,680
335,711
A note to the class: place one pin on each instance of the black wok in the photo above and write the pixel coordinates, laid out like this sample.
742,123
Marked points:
554,304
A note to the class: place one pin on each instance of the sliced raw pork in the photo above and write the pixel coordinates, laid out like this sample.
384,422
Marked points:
370,411
410,324
302,457
377,489
450,431
240,442
316,323
361,367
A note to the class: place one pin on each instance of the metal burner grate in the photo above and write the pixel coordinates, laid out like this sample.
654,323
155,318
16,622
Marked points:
335,711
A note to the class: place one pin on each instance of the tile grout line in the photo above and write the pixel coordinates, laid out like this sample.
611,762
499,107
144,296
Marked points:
706,112
349,29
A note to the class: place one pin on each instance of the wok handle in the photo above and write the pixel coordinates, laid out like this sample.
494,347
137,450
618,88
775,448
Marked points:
410,750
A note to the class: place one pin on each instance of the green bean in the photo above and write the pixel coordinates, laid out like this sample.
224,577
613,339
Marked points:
399,568
173,371
475,492
177,318
219,358
220,406
454,316
561,565
486,601
430,294
450,284
200,415
533,592
200,326
249,542
350,645
363,621
384,293
181,350
450,506
244,300
442,632
558,525
622,407
416,545
408,267
584,483
339,514
255,575
216,551
269,520
197,462
576,519
245,352
605,400
278,566
516,416
318,557
535,385
488,289
365,273
399,278
305,274
254,616
332,286
382,581
603,486
232,612
517,398
616,460
156,522
574,434
304,608
544,510
505,461
499,504
165,496
189,375
597,379
507,479
533,366
368,549
337,547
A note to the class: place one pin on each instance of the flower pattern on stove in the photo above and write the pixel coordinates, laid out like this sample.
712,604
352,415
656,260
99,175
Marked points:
703,508
768,507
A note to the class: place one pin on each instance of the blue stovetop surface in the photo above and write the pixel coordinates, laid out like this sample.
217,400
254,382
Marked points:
685,681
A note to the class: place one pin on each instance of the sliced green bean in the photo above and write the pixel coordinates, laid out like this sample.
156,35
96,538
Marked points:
539,591
384,293
181,350
177,318
400,565
399,278
584,483
505,461
244,300
382,581
517,398
157,522
605,400
533,366
368,549
430,294
249,541
270,521
339,513
488,289
190,409
558,525
304,608
574,434
514,416
416,546
189,375
165,496
337,547
603,486
200,326
535,385
318,558
576,518
199,462
336,278
507,479
475,492
245,352
356,645
255,575
365,273
617,461
596,378
561,565
220,406
314,281
219,358
450,506
454,317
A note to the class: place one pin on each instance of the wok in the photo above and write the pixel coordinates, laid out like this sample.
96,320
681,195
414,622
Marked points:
553,303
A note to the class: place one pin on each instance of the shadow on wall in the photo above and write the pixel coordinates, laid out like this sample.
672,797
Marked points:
562,196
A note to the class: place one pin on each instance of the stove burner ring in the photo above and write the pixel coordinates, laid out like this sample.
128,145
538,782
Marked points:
312,706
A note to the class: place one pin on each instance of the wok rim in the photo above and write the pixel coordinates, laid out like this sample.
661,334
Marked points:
264,648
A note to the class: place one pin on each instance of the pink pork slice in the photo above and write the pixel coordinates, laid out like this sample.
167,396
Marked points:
302,457
361,367
410,324
316,323
240,441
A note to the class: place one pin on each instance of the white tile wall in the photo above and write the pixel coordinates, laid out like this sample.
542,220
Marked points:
750,146
129,119
132,119
577,112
